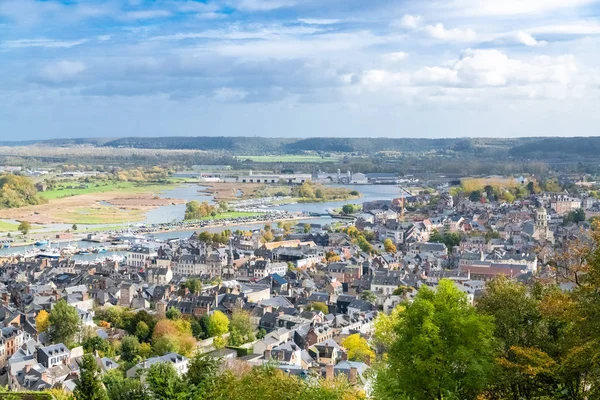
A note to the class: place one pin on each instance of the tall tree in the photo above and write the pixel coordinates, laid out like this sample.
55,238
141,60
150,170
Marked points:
240,328
64,323
42,321
218,324
358,348
442,348
89,385
165,384
202,375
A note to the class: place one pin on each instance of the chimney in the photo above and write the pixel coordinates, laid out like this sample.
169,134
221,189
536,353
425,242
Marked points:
44,376
329,374
344,356
268,354
352,376
27,368
368,360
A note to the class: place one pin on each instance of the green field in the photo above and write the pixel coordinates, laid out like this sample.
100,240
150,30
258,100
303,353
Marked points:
227,215
291,158
100,215
8,226
68,189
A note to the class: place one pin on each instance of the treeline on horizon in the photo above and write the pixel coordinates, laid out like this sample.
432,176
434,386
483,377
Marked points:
526,147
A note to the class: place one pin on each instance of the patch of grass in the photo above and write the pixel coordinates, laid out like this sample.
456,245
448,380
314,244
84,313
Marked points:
8,226
68,189
229,214
291,158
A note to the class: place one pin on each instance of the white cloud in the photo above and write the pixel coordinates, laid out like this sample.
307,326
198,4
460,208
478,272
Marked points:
528,40
488,72
408,21
41,42
103,38
579,28
438,31
396,56
514,7
62,71
318,21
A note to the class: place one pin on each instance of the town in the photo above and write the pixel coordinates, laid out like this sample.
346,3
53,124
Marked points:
306,298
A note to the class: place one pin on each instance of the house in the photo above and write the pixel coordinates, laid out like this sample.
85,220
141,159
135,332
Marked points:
51,356
179,362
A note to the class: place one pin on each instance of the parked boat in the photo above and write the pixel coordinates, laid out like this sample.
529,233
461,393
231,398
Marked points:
41,242
52,254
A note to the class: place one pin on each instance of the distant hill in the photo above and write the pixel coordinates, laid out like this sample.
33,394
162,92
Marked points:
558,147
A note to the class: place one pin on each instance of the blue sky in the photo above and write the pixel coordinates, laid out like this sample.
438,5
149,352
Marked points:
299,68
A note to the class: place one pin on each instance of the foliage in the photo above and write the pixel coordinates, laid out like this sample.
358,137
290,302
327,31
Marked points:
385,329
389,246
165,384
369,296
202,375
194,285
196,210
351,208
319,306
240,328
24,227
173,313
17,191
574,216
42,321
218,324
358,348
89,385
130,347
64,323
450,239
442,347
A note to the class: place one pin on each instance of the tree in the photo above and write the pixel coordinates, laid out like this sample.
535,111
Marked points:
218,324
165,384
88,384
130,347
389,246
358,348
74,227
443,349
42,321
385,329
173,313
475,196
348,209
202,375
128,389
240,328
165,345
261,333
320,306
142,331
96,343
369,296
307,228
194,285
64,323
24,227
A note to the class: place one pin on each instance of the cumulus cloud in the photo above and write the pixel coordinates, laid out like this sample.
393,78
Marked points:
62,71
528,40
263,5
438,31
513,7
147,14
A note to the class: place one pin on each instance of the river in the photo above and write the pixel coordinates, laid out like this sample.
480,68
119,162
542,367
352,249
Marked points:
190,192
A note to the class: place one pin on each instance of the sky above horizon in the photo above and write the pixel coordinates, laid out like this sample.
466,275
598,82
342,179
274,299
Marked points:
299,68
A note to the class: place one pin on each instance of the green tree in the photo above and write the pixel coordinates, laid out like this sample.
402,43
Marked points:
240,328
128,389
165,384
173,313
74,227
369,296
475,196
348,209
24,227
64,323
96,343
130,347
307,228
194,285
443,349
320,306
142,331
202,375
218,324
89,385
